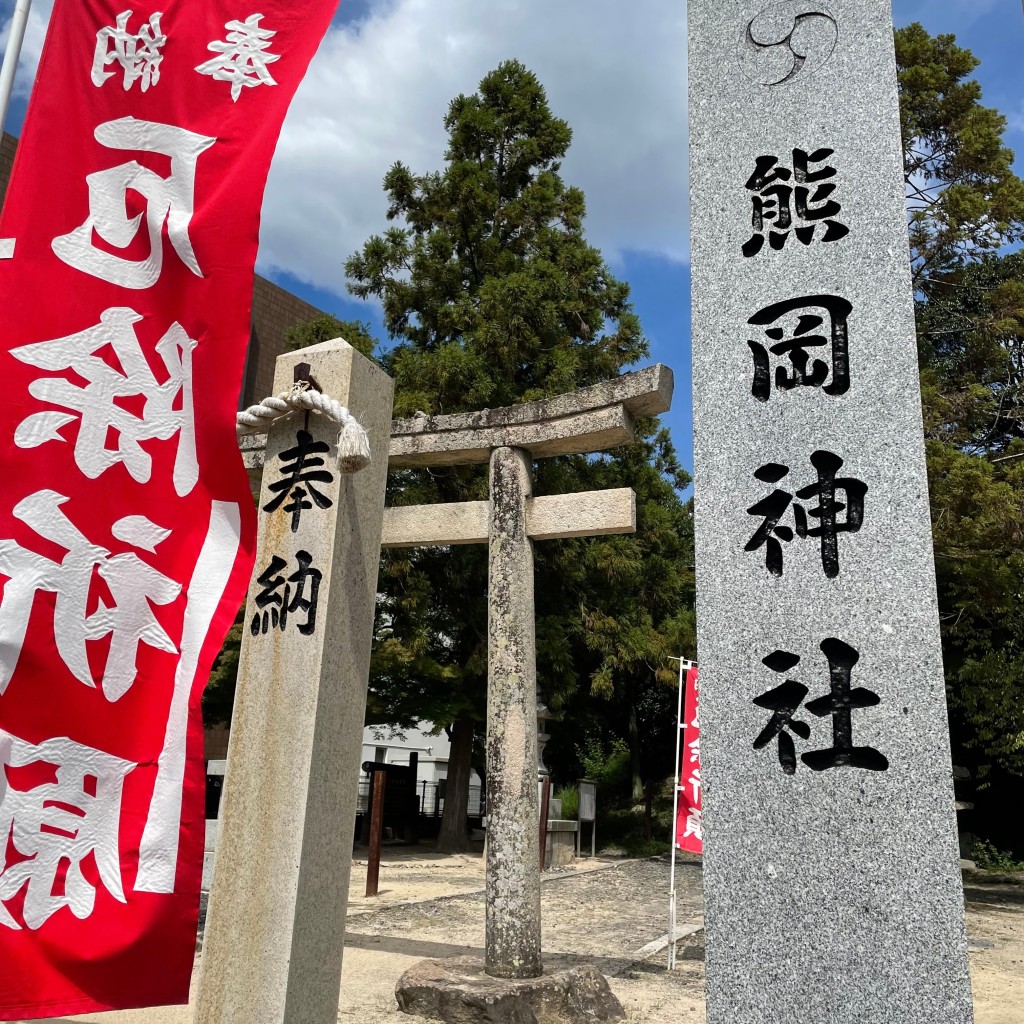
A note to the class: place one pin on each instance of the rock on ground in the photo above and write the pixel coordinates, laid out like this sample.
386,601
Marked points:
459,992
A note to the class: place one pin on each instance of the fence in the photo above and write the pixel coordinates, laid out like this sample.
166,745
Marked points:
431,799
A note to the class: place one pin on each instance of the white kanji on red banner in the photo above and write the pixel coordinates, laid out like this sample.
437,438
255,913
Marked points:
126,525
693,824
242,58
689,828
133,585
58,824
167,407
138,53
170,200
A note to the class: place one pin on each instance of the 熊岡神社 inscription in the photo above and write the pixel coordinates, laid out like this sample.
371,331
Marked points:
832,883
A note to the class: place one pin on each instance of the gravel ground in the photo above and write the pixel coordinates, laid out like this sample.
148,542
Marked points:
602,917
605,917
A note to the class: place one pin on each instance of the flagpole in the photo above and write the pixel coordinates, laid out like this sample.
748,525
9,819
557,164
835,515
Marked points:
19,19
676,781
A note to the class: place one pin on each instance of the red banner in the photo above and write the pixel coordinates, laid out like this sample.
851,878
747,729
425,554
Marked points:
127,247
689,834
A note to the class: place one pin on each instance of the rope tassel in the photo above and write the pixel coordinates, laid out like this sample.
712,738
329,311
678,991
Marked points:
353,447
353,444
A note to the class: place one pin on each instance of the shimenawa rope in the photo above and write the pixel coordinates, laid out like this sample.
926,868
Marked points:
353,444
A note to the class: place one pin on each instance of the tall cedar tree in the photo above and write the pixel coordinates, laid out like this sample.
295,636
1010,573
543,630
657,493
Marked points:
965,206
494,297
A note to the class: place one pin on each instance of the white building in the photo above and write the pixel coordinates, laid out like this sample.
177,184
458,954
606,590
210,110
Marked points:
390,745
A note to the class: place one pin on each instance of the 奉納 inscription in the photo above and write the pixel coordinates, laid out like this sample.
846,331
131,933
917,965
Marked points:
301,468
281,597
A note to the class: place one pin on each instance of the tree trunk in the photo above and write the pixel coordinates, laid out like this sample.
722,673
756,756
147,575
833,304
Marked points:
454,834
648,810
634,756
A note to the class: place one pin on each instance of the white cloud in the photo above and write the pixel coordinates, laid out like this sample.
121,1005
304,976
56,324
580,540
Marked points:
378,90
35,33
1015,121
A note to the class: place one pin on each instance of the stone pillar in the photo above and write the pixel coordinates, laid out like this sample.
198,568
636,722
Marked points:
831,874
275,933
513,860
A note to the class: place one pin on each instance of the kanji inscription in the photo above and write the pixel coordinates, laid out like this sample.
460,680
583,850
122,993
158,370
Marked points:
838,704
799,331
780,208
834,516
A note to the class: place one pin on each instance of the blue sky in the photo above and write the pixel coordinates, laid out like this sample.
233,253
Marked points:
380,85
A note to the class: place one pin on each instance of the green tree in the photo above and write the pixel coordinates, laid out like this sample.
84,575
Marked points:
495,297
978,514
219,694
963,197
971,348
965,206
327,327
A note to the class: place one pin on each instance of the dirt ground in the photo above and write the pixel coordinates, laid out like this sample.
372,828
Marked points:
609,912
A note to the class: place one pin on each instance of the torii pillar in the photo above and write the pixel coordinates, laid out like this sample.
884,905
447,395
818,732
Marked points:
590,420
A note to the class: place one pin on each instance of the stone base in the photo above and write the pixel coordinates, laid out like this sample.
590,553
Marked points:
458,991
561,842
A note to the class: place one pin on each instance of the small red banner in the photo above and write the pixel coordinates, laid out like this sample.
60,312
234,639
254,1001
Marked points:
689,834
127,246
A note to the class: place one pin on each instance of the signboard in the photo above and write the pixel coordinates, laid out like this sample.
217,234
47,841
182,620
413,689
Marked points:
129,240
588,800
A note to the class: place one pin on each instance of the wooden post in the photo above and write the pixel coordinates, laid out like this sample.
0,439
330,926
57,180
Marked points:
380,782
276,927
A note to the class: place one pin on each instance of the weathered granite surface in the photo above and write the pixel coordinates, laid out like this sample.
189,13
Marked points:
512,901
578,514
591,419
833,891
275,934
458,991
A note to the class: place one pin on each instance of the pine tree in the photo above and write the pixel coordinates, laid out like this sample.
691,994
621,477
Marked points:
965,206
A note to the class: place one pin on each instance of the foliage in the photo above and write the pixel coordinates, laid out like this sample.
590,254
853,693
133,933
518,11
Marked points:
219,695
978,521
607,768
570,800
625,827
490,285
970,320
988,858
326,327
971,347
965,205
964,199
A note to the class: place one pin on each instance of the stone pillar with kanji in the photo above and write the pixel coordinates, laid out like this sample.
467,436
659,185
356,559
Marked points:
832,882
275,934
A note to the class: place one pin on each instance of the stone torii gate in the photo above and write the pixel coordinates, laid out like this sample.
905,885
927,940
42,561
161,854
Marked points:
589,420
